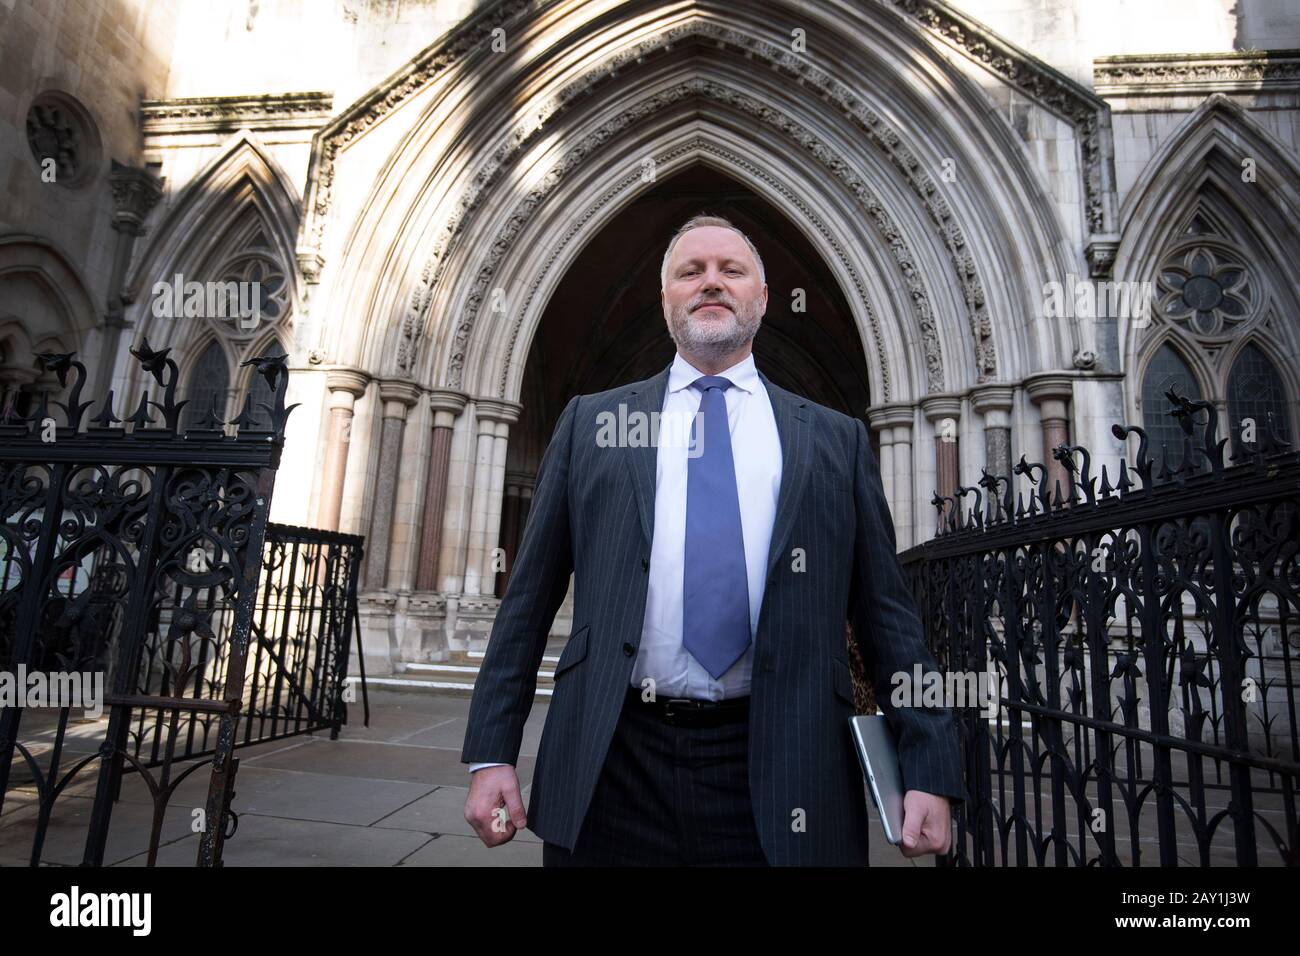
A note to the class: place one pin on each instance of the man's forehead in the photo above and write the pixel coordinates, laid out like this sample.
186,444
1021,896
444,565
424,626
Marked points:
711,241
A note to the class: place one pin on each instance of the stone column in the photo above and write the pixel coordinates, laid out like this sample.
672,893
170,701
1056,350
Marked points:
345,386
446,405
893,423
994,403
135,193
519,497
509,530
398,397
944,413
493,420
1051,392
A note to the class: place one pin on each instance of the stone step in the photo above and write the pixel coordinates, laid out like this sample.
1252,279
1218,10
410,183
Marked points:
456,678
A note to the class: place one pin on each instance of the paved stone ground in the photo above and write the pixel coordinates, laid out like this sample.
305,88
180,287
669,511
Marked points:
391,794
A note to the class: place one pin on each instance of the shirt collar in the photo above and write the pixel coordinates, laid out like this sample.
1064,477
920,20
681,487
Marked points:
743,375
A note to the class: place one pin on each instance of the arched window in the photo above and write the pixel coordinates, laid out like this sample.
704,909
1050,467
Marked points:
1255,391
259,391
1166,371
209,381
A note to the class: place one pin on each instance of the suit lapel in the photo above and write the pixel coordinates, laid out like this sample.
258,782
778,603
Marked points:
642,460
791,415
792,425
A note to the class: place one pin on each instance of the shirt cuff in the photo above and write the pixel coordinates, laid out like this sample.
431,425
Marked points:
480,766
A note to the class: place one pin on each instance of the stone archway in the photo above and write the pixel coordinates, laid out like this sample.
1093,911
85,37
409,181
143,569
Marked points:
608,300
463,221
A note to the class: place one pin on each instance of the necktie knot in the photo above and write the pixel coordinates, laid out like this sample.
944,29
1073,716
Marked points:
706,382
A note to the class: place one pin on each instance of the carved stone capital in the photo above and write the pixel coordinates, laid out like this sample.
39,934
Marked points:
497,410
938,407
891,416
135,193
1101,251
992,398
446,404
347,381
1051,392
398,395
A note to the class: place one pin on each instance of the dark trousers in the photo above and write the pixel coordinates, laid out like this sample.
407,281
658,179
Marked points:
669,794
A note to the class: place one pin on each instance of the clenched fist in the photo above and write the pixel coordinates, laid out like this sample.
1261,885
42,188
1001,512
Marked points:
494,807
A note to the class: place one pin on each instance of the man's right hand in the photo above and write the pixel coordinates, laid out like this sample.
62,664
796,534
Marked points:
491,789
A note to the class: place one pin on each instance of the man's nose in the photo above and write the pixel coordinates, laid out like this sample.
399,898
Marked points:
712,279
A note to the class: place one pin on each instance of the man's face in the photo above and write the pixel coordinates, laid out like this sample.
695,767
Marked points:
713,298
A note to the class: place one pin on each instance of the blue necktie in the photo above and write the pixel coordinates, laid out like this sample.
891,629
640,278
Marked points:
715,596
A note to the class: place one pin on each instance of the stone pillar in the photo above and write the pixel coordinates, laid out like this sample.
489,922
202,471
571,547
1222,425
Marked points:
1051,392
135,193
519,497
446,405
944,413
509,530
994,403
345,386
904,485
493,420
893,424
398,397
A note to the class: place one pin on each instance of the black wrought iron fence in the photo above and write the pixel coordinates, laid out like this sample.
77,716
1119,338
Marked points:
295,679
1144,630
114,541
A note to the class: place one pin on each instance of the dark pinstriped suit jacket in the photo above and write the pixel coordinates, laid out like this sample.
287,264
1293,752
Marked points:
592,516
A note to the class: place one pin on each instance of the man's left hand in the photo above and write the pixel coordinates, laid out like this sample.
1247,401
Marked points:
927,824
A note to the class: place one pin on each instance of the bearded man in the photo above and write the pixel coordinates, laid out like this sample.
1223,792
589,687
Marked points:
701,707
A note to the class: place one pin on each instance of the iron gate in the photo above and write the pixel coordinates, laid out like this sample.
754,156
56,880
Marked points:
1144,631
117,540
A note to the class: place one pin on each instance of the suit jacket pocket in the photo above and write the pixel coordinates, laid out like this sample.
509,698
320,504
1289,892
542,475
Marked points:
574,652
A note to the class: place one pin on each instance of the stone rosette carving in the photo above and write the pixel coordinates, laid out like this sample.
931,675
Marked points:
60,131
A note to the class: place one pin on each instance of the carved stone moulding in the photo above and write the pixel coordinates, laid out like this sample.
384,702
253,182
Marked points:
226,114
1180,73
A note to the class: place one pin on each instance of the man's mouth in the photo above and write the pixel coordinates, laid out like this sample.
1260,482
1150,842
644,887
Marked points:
711,305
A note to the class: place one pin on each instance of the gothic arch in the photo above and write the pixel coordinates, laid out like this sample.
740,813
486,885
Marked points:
65,311
241,192
389,275
1198,173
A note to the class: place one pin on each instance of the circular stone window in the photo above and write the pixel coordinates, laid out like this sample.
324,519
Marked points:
63,138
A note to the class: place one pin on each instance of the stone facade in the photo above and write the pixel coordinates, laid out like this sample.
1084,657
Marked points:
411,182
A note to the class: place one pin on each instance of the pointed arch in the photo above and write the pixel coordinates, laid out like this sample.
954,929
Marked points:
206,377
45,302
458,163
241,192
1257,385
1192,192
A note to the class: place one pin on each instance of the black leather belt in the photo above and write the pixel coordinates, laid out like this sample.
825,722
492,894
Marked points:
690,712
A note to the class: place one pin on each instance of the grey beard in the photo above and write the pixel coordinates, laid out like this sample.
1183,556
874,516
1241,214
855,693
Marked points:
714,345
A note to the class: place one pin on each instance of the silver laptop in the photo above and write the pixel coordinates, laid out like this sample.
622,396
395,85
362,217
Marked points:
879,757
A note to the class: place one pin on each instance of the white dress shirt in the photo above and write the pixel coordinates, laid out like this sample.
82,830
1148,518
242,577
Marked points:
756,452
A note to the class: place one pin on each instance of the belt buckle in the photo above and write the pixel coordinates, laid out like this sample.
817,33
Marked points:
669,710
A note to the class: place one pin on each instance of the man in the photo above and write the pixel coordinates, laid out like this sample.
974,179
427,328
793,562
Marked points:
701,706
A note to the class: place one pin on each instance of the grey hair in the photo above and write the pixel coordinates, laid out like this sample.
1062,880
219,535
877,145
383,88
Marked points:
696,222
